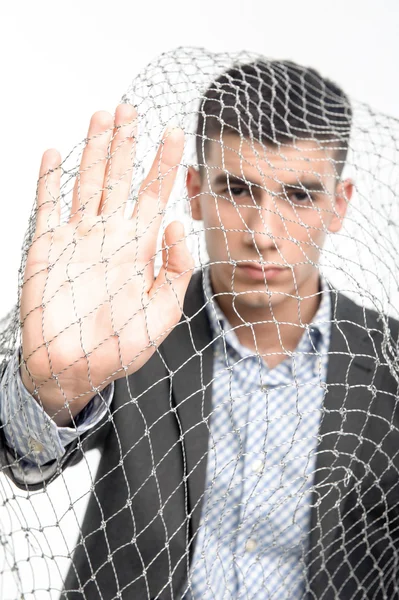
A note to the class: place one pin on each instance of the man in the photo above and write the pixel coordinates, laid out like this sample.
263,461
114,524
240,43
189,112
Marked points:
249,446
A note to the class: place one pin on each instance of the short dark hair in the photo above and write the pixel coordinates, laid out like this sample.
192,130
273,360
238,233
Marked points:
275,102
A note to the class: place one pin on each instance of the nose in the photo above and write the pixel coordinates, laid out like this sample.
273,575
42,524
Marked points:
265,224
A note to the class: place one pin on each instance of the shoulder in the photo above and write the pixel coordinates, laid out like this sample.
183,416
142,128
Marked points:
365,320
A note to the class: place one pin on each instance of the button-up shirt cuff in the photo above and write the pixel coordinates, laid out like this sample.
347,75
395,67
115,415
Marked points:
29,430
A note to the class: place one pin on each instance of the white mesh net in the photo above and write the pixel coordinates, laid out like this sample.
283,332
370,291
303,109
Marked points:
238,375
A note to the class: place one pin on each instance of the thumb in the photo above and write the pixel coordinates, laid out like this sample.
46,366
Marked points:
177,266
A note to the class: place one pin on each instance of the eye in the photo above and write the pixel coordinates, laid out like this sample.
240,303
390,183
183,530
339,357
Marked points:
236,192
300,197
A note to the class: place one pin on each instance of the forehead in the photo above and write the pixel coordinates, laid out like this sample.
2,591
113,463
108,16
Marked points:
259,163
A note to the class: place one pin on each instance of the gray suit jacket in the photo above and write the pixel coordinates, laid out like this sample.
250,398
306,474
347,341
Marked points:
142,519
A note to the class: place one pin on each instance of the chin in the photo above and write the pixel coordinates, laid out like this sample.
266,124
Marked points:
262,299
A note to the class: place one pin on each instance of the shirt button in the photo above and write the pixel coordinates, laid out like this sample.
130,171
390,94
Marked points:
35,445
257,466
251,545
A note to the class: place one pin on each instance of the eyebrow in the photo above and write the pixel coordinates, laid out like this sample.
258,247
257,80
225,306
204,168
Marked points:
308,184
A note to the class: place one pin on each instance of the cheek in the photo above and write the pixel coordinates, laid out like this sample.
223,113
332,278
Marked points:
312,223
318,229
220,243
305,236
215,244
216,212
217,216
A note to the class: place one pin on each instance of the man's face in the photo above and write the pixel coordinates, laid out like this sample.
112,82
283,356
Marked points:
270,207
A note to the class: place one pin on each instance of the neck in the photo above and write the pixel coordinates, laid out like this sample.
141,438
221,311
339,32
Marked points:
277,329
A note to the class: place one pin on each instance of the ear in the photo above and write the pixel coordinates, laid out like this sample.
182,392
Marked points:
343,195
193,182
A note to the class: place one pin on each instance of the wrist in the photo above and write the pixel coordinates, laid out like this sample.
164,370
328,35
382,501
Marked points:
61,406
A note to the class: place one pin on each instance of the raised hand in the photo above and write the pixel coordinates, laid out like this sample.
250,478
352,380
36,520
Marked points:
91,311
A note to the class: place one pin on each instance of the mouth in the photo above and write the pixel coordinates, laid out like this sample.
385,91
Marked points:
255,271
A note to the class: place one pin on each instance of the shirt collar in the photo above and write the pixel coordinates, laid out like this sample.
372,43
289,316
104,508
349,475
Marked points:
316,334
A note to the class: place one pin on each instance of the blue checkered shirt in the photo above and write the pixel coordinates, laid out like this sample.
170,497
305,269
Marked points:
253,534
252,541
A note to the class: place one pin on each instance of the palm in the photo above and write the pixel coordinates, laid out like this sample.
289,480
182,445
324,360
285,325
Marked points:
90,308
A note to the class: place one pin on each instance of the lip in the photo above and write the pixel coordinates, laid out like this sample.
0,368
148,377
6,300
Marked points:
254,271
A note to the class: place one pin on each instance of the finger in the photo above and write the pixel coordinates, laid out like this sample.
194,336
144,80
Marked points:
120,165
177,267
48,192
90,179
156,188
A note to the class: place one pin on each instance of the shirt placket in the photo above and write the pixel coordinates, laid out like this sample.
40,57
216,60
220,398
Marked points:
252,466
261,559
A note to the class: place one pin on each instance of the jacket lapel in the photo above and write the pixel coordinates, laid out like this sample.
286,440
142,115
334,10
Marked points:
350,379
188,354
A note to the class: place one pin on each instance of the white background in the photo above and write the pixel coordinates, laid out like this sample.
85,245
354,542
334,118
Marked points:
62,61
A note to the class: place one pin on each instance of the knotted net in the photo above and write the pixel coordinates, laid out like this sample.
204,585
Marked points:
247,425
